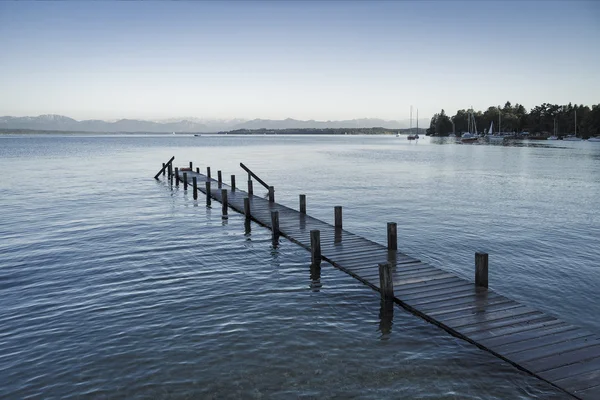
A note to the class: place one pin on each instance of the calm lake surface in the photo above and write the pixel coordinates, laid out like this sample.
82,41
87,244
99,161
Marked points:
115,285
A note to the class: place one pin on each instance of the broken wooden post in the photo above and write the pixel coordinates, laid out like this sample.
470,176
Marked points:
232,183
224,202
250,189
302,204
219,178
386,284
481,269
247,212
197,170
185,182
191,167
392,236
315,247
271,194
176,176
207,193
195,185
337,210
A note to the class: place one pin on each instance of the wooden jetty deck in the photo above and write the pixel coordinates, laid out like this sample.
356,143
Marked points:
559,353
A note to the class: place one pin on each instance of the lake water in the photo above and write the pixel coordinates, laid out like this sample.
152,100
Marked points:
115,285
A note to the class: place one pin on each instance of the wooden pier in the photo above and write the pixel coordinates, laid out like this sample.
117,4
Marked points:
565,356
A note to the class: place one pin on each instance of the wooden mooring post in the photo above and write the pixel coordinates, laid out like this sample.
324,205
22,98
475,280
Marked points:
176,176
315,247
275,222
163,169
271,194
185,181
250,189
197,170
302,204
208,173
170,171
386,284
207,183
195,186
224,201
247,211
191,166
481,269
337,210
392,236
219,178
232,183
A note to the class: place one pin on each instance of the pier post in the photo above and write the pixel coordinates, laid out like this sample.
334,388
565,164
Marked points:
185,182
302,204
337,210
176,176
392,236
386,284
219,178
208,173
207,193
191,166
481,269
224,201
315,247
170,170
163,169
250,189
271,194
247,211
195,186
275,225
232,183
197,170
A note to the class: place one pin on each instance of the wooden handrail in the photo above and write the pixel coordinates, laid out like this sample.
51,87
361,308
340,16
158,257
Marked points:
163,168
254,175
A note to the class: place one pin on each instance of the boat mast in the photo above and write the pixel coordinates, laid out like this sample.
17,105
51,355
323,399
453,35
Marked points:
575,122
410,134
418,120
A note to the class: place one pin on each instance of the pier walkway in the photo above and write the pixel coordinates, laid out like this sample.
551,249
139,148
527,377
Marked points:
561,354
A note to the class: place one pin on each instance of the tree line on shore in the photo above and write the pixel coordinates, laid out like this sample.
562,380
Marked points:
540,120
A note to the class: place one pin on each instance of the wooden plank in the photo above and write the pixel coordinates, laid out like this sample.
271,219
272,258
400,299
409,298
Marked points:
398,264
511,330
422,279
507,340
466,288
591,393
469,304
562,359
475,310
571,370
542,341
550,349
409,286
457,296
429,286
580,382
511,322
500,318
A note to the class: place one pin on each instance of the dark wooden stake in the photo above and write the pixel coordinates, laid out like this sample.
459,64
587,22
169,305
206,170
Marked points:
250,189
224,201
185,182
232,183
195,185
197,170
337,210
176,176
275,222
219,178
247,211
191,167
302,204
386,284
170,170
315,247
481,269
392,236
208,173
207,193
271,194
163,169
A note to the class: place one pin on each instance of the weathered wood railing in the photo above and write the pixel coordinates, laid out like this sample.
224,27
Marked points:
165,166
251,175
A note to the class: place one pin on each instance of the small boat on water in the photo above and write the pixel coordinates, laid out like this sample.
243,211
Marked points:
413,136
494,138
554,136
472,135
572,138
594,139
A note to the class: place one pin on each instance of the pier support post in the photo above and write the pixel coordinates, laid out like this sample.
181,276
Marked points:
392,236
197,170
250,189
170,170
195,186
208,173
271,194
207,193
191,166
386,284
337,210
247,211
163,169
315,247
232,183
224,201
302,204
481,269
219,178
176,176
275,225
185,182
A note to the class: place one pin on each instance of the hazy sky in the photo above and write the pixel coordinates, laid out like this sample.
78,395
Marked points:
304,60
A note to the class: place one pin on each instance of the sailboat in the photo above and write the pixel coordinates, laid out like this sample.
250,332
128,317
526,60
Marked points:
554,136
413,136
468,137
573,138
494,138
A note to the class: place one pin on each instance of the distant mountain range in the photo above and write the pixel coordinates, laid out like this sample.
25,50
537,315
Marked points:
52,122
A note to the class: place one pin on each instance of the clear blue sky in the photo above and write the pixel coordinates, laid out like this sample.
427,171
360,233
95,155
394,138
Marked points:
305,60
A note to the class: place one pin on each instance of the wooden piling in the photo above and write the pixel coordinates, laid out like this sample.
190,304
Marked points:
386,284
195,186
250,189
163,169
271,194
337,210
219,178
176,176
275,223
197,170
302,204
232,183
207,193
392,236
170,170
315,247
208,173
191,166
185,181
224,201
247,211
481,269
